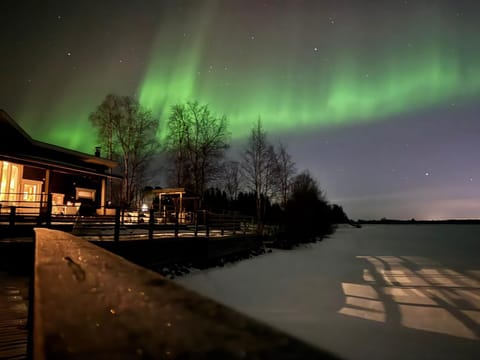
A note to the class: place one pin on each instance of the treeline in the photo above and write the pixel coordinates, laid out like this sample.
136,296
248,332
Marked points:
261,181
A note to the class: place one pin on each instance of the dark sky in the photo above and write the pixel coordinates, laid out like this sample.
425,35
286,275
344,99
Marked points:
378,99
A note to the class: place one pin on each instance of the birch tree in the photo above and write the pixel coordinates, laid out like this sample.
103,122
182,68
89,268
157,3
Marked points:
231,180
258,167
196,141
129,133
285,173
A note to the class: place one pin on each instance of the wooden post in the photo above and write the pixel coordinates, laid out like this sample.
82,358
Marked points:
222,224
40,209
182,214
176,223
116,233
195,219
160,205
207,225
47,181
151,224
48,215
103,196
11,219
234,225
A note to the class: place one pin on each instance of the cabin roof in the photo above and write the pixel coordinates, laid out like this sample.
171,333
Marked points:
169,191
17,145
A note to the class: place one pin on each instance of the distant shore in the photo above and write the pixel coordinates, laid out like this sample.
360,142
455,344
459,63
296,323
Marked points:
414,221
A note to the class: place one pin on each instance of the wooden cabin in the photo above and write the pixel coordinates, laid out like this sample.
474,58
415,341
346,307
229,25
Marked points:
30,170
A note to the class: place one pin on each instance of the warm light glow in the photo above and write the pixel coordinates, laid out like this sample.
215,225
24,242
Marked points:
424,295
10,176
365,291
362,301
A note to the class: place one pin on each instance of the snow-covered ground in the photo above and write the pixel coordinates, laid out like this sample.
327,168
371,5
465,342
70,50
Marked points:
379,292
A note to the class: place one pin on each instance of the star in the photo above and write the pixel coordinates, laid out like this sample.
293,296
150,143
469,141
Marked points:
69,53
427,174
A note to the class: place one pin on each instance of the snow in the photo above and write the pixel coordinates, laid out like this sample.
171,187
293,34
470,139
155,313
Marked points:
382,291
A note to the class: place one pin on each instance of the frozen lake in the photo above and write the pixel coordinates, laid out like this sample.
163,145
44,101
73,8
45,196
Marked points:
379,292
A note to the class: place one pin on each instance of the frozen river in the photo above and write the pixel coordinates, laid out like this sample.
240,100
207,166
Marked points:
379,292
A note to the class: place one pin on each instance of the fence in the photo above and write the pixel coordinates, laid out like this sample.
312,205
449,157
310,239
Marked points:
152,225
20,208
113,223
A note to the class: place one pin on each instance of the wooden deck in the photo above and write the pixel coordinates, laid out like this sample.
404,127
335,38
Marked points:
13,316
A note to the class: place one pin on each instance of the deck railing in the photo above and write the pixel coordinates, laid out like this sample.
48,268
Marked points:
149,225
114,223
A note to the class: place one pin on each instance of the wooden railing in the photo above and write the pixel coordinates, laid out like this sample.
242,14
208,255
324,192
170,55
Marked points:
117,223
137,225
38,210
90,303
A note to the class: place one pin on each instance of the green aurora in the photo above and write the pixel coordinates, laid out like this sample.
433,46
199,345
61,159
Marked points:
296,77
293,88
343,93
378,99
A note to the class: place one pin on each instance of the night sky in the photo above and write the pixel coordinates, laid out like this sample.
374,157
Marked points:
378,99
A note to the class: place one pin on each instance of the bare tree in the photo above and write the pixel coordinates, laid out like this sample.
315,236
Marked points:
103,119
176,146
285,173
258,167
129,133
271,183
196,142
231,181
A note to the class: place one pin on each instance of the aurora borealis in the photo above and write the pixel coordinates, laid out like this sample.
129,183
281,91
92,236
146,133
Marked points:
337,81
309,84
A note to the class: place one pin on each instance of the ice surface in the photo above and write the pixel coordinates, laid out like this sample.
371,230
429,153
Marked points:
382,291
